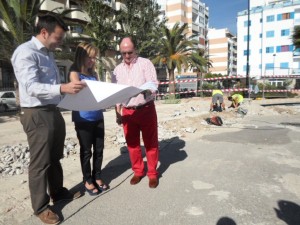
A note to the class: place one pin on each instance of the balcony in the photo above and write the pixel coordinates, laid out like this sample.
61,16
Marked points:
79,15
195,5
195,27
52,6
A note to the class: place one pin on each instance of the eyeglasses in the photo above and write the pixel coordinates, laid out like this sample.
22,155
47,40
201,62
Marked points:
128,53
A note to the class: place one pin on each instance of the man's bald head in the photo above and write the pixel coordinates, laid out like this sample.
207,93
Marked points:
128,41
127,49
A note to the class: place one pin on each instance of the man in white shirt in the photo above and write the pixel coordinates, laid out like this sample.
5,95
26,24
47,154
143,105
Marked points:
40,91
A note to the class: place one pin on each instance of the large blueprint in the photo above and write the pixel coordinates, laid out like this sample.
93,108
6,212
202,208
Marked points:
99,95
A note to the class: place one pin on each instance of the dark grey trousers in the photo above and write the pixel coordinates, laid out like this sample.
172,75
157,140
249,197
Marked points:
46,131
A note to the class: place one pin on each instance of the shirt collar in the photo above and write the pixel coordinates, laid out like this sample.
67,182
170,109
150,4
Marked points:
38,44
132,62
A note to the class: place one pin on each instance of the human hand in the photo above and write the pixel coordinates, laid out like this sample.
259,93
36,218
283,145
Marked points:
119,119
73,87
146,93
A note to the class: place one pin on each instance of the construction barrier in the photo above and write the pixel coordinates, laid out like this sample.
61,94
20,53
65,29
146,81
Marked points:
224,90
281,76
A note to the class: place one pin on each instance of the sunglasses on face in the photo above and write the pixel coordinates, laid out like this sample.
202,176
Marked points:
126,53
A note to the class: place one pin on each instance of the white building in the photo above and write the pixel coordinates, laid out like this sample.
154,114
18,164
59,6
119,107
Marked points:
271,51
222,52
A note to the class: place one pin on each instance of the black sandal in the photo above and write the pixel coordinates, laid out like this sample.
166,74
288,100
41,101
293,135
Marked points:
91,191
102,187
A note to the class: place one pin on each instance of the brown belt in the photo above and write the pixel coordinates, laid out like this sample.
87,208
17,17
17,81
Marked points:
140,106
49,107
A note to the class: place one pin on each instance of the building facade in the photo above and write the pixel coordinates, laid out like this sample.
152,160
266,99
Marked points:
195,14
192,12
222,52
271,51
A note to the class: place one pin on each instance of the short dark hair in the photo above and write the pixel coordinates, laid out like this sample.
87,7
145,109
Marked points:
49,22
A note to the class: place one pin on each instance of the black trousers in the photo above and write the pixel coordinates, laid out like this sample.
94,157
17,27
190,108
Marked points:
91,134
46,131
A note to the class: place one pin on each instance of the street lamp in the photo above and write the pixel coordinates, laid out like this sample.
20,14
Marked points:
248,33
274,64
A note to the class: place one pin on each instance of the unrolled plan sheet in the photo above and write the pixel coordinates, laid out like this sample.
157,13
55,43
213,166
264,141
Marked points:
98,95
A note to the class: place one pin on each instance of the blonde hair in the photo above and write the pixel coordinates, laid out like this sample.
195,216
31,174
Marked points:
84,50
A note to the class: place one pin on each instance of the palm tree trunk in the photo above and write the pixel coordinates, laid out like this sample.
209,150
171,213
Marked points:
171,84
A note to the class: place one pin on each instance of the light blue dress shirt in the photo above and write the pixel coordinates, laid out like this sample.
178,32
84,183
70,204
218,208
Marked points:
37,74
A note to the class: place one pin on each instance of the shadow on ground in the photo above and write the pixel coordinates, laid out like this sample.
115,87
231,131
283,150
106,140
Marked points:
289,212
170,152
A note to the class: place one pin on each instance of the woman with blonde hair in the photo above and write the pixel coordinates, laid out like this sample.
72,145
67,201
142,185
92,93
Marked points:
89,125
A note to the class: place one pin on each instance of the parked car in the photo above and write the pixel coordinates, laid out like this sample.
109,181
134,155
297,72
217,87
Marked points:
8,101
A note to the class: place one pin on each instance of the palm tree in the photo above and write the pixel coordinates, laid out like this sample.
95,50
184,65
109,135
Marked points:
19,18
176,50
296,37
17,27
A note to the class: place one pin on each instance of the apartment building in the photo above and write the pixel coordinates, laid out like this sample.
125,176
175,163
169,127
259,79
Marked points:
192,12
195,14
222,52
271,51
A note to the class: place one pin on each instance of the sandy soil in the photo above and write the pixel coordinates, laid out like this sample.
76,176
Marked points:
174,119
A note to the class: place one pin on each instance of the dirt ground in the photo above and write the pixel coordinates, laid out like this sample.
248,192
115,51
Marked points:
185,119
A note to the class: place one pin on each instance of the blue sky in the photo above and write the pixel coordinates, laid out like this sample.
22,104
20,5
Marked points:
223,13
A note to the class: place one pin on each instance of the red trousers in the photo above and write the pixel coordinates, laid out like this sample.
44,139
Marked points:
136,121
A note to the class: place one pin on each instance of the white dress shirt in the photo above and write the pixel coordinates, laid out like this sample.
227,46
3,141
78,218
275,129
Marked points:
37,74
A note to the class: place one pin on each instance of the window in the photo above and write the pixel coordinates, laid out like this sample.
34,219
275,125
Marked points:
8,95
260,20
201,20
259,66
284,65
285,32
296,52
270,18
269,49
275,82
246,23
270,34
260,51
246,38
285,16
269,66
284,48
76,29
245,52
260,35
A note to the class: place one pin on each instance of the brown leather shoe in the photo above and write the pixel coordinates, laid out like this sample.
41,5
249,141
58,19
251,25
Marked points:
153,182
135,180
48,217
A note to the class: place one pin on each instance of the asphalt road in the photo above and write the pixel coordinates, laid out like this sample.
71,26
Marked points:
244,176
